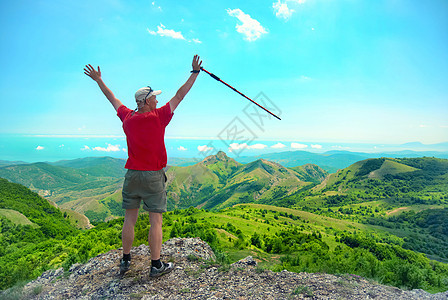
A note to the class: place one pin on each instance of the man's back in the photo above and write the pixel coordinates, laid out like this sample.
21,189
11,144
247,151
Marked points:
145,137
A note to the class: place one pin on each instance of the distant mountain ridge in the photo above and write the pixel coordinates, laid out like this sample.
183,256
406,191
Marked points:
416,145
219,181
4,163
330,161
333,160
96,166
43,176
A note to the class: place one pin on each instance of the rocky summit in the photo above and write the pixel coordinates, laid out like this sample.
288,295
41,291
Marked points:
198,276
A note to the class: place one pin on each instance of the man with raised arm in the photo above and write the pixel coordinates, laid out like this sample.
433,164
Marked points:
145,179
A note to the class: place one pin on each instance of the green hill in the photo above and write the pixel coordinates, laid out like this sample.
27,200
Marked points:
43,176
35,236
96,166
392,194
408,179
92,186
219,181
278,237
37,210
77,184
76,219
390,167
310,173
16,217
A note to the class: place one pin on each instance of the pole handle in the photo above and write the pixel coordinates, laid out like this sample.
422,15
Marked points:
211,74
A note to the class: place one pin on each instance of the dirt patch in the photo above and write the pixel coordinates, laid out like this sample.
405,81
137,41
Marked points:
200,206
226,233
396,210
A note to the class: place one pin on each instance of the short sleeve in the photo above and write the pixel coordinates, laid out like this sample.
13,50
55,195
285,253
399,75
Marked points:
122,112
165,114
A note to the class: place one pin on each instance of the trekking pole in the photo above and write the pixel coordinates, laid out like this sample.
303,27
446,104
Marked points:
217,78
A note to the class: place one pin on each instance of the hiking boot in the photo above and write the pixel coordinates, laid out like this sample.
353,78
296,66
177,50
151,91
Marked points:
124,266
165,268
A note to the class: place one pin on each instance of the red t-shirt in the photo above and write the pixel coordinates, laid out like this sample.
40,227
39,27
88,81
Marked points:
145,137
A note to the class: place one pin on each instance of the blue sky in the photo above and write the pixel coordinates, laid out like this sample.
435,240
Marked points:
335,71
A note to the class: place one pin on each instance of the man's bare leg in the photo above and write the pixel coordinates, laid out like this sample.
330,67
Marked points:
158,268
127,234
155,235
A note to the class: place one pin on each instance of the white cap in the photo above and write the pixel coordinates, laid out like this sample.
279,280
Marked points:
140,95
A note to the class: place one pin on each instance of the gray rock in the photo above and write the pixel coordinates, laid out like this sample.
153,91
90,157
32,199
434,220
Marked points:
248,261
99,278
74,267
186,247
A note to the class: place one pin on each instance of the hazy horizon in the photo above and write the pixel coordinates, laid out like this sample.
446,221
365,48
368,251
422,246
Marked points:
35,148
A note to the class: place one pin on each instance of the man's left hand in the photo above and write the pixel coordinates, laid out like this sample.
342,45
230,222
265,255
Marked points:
196,63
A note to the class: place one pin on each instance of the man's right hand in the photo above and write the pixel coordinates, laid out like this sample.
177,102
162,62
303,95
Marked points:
96,75
90,71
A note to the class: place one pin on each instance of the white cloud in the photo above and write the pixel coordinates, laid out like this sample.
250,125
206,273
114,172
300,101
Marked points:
40,148
316,146
257,146
283,11
278,146
110,148
182,148
204,148
85,148
423,126
162,31
250,28
236,146
298,146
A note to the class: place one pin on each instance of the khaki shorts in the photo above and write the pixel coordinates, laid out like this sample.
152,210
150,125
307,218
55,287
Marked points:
148,186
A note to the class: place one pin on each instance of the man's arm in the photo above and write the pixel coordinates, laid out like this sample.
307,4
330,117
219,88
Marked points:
174,102
96,75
